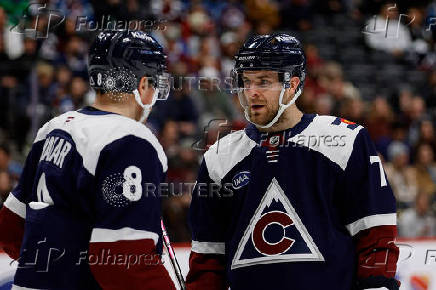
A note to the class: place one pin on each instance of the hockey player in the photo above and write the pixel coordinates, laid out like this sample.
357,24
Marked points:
80,217
303,201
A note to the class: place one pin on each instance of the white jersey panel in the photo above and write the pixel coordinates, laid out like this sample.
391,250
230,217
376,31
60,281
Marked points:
92,133
319,134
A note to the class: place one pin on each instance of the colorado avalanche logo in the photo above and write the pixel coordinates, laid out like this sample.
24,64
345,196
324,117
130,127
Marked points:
241,179
275,234
269,219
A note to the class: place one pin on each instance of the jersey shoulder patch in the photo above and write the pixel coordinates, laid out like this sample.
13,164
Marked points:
331,136
226,152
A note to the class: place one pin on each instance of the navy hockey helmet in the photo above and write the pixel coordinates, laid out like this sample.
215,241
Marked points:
119,59
277,52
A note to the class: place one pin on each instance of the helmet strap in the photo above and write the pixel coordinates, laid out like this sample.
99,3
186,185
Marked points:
282,108
146,108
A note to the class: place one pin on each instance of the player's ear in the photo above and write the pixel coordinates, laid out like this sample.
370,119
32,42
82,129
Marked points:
295,81
146,91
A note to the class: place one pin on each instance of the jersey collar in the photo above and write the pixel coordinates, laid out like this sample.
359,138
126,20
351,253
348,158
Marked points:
254,134
89,110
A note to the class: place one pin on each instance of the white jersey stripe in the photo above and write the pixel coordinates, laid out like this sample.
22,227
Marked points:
208,247
15,287
16,206
100,235
388,219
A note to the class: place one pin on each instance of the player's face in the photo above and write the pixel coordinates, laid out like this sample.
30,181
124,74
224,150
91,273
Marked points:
261,91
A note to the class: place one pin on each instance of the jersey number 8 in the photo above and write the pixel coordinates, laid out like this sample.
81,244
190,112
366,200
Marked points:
132,188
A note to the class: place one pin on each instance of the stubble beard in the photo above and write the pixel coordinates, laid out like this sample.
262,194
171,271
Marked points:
263,118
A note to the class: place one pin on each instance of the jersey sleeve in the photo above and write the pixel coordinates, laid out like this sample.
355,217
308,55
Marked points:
127,229
369,212
368,200
207,262
13,212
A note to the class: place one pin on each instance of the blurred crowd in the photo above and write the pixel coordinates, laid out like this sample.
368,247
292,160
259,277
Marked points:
371,62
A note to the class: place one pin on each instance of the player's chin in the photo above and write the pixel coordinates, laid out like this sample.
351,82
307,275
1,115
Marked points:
259,118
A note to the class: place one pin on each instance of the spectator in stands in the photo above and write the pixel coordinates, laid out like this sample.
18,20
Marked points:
78,91
427,134
323,105
420,46
298,10
5,157
179,107
229,48
429,89
265,12
379,123
331,80
418,221
353,110
401,176
75,56
169,137
210,97
5,185
425,169
417,112
232,15
62,88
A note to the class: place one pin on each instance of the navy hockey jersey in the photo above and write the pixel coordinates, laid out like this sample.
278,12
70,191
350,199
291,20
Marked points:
281,211
83,202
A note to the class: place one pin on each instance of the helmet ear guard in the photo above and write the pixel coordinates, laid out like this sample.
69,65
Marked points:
161,84
285,78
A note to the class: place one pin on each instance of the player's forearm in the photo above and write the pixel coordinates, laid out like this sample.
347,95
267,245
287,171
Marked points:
206,271
377,257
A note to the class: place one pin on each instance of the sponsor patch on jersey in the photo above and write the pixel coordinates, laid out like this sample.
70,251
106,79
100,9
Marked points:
275,234
241,179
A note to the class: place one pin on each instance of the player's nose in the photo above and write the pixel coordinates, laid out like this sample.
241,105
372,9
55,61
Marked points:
252,93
